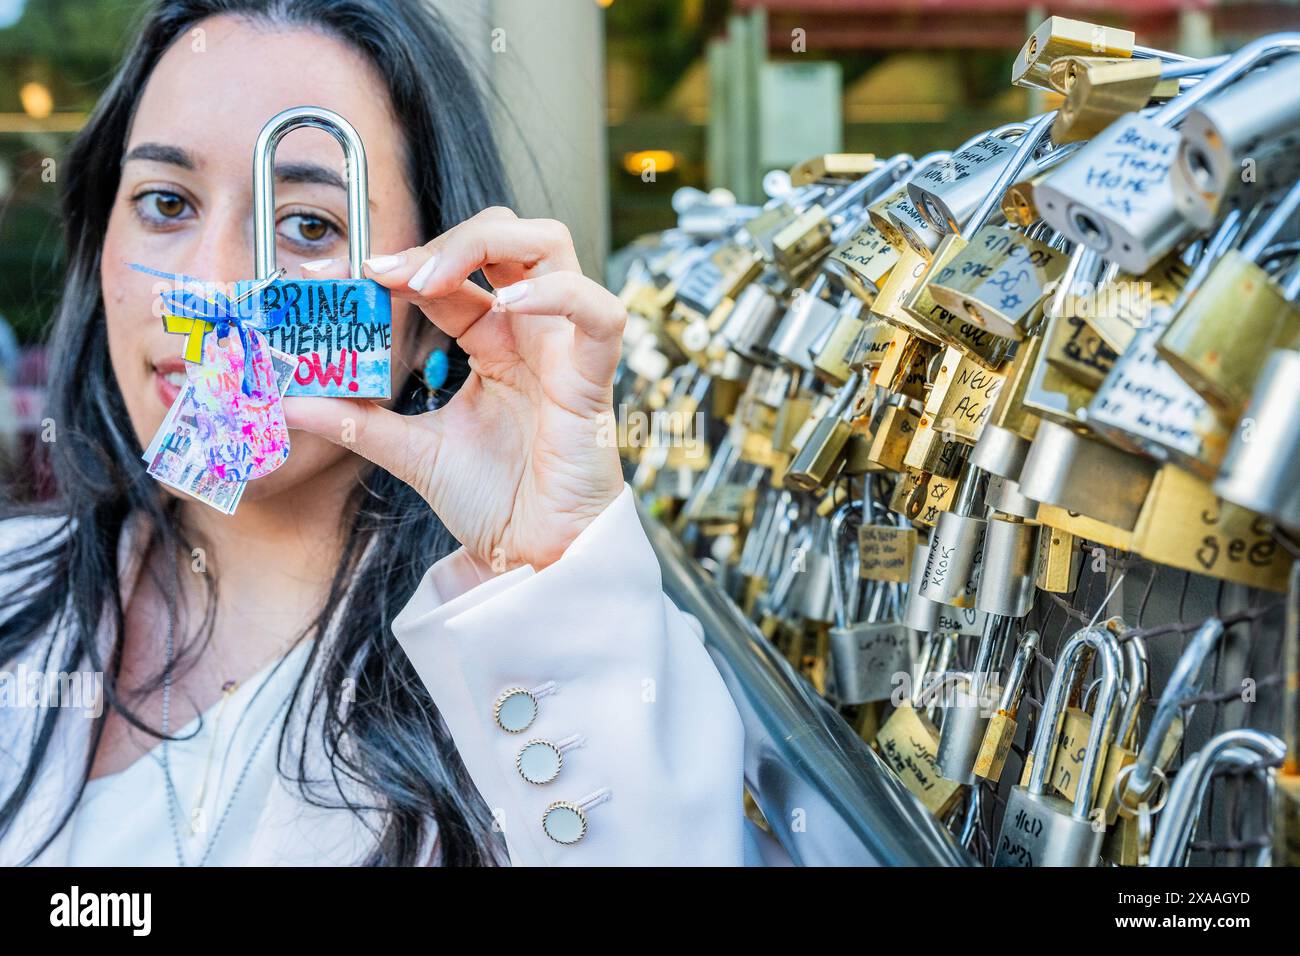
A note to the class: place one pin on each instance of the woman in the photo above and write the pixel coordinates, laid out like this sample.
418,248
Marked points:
255,706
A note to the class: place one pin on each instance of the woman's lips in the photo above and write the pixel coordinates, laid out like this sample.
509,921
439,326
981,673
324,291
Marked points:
169,377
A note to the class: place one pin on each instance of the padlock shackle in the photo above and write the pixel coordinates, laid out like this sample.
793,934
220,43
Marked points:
1254,247
1250,55
1240,748
1052,715
1182,684
1137,675
838,590
358,184
890,170
1014,688
1026,146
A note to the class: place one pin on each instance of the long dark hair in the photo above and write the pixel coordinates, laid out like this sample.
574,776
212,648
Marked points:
382,731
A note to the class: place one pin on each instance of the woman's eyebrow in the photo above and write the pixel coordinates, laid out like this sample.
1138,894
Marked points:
161,153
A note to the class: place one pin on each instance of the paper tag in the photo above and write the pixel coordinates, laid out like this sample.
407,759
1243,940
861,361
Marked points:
244,436
177,456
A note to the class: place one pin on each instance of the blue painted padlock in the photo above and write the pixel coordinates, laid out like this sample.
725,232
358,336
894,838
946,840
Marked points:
340,330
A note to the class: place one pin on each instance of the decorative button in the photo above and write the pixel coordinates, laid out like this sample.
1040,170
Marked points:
539,761
516,708
566,822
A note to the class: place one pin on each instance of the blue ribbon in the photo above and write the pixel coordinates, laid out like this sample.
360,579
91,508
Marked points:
219,310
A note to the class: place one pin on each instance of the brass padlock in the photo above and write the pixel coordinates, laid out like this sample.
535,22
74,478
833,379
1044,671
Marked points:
998,280
902,370
1080,474
1000,733
1124,305
1056,37
872,343
832,166
1183,524
819,459
1220,338
962,396
892,436
863,262
907,742
1009,412
1102,89
1059,559
831,353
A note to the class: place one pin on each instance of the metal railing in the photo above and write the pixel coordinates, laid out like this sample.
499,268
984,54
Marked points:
827,796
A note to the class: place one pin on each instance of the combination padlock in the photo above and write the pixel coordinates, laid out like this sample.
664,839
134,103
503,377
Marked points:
340,330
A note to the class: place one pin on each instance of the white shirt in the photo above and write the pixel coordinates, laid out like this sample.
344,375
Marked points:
629,676
124,816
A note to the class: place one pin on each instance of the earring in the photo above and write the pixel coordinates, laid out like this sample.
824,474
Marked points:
435,377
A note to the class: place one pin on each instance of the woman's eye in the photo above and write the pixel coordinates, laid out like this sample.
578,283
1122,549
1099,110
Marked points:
304,229
160,206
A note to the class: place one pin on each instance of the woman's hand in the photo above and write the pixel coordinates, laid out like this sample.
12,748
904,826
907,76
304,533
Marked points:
517,462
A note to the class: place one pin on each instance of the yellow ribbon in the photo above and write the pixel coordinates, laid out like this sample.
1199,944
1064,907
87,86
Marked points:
193,329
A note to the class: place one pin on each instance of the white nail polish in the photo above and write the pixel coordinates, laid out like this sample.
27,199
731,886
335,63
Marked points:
382,264
422,276
512,293
317,265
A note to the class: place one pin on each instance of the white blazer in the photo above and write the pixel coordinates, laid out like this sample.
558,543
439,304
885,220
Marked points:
621,669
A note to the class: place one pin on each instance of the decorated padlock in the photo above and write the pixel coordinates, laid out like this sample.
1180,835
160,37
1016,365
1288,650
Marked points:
339,330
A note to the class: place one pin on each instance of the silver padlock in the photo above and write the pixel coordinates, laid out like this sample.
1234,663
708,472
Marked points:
1241,141
972,698
866,656
348,351
1007,582
948,193
1115,195
952,567
1004,495
1039,828
1261,470
803,324
750,324
1081,474
1140,781
920,613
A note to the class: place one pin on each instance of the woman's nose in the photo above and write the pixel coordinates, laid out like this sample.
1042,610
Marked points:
224,252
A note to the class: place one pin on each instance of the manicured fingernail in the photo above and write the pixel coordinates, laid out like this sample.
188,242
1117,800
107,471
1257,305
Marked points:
512,293
317,265
423,274
382,264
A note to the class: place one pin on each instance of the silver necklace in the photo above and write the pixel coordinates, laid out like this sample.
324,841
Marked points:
173,800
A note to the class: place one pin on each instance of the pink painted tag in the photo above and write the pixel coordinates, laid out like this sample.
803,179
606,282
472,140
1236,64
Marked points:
243,436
